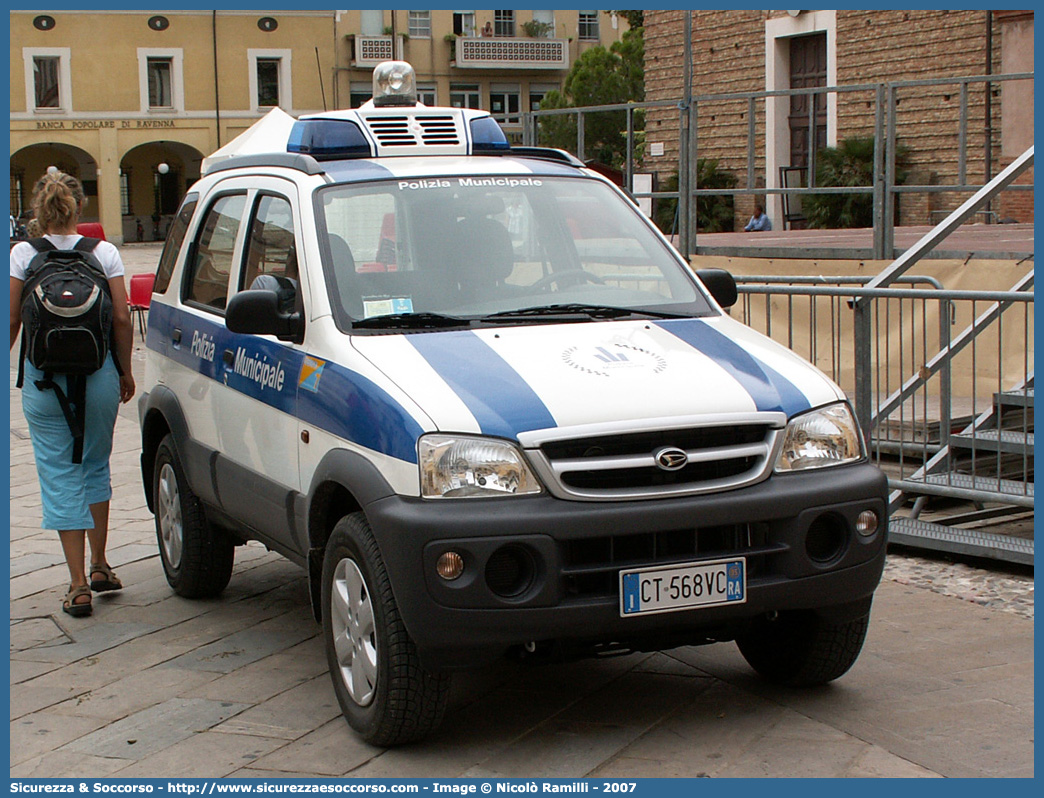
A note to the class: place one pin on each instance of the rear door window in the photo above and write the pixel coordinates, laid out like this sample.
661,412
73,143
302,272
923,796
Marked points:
207,280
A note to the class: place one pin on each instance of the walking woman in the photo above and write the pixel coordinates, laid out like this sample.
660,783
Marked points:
75,495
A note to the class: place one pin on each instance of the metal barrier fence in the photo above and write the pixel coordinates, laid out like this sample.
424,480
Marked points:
888,124
951,406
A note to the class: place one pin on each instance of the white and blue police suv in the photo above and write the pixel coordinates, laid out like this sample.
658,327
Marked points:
490,410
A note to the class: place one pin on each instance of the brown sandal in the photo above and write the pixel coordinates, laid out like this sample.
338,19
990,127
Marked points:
109,580
74,608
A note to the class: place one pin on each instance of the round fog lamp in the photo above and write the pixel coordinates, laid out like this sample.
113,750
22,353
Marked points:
450,565
866,523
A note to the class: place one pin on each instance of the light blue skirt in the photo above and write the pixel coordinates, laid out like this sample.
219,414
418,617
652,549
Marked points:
67,488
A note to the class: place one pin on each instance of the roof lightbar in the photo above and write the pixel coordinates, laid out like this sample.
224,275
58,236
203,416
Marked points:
328,139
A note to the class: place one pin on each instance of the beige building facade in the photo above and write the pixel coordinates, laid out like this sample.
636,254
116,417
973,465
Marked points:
132,101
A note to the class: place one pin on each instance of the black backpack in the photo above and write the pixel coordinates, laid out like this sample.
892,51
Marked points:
66,325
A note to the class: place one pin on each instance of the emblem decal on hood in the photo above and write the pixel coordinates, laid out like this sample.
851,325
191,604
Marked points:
611,358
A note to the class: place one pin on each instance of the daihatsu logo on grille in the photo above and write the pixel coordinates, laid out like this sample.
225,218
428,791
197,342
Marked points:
671,458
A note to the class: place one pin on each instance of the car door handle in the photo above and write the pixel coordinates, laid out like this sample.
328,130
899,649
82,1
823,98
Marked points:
229,357
176,337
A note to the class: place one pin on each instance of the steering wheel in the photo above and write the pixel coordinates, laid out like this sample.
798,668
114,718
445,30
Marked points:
570,276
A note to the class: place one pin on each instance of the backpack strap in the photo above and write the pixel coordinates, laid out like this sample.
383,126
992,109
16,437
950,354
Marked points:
86,244
73,404
42,245
21,362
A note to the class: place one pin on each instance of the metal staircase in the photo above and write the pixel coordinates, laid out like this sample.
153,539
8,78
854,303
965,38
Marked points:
991,460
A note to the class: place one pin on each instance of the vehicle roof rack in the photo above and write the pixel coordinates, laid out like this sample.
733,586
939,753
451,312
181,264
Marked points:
546,154
287,160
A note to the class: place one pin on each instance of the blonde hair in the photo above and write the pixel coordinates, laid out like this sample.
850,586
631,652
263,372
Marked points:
57,199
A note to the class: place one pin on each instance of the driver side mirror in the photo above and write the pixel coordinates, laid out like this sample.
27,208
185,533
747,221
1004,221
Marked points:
721,284
256,312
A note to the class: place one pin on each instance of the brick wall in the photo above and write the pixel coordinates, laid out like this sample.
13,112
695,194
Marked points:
728,57
728,52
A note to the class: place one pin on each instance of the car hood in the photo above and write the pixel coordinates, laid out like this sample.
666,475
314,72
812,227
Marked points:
505,381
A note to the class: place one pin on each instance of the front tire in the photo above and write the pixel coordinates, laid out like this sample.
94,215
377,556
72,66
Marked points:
384,692
197,559
801,649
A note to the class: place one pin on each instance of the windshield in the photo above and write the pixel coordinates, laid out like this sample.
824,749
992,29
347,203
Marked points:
473,250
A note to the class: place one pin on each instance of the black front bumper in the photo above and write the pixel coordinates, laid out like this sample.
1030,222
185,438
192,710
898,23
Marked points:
574,551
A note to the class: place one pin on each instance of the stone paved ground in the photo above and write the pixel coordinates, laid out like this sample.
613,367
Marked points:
155,685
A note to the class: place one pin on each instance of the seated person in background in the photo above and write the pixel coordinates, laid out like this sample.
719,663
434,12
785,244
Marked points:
759,221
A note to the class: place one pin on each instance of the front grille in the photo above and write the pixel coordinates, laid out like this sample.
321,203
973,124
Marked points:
625,466
591,566
395,130
626,478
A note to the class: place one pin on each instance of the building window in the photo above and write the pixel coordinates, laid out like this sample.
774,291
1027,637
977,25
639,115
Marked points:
359,93
160,84
587,26
420,24
504,104
426,94
503,23
16,194
270,78
125,192
371,22
537,92
47,83
464,23
268,82
464,96
545,22
160,79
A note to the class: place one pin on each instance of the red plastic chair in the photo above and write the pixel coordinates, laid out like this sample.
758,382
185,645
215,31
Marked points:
140,297
91,230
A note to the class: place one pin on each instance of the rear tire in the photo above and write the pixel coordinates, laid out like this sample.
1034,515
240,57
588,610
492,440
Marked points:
800,649
197,559
384,692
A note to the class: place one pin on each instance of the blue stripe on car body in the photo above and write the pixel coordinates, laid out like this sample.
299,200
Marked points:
345,404
502,402
769,389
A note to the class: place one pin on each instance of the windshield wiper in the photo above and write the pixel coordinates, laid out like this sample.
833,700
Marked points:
572,310
410,321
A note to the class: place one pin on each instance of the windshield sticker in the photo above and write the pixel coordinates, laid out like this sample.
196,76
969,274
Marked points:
387,306
311,372
413,185
609,359
469,182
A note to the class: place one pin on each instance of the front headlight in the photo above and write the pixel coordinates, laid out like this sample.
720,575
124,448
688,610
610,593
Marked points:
825,437
458,467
